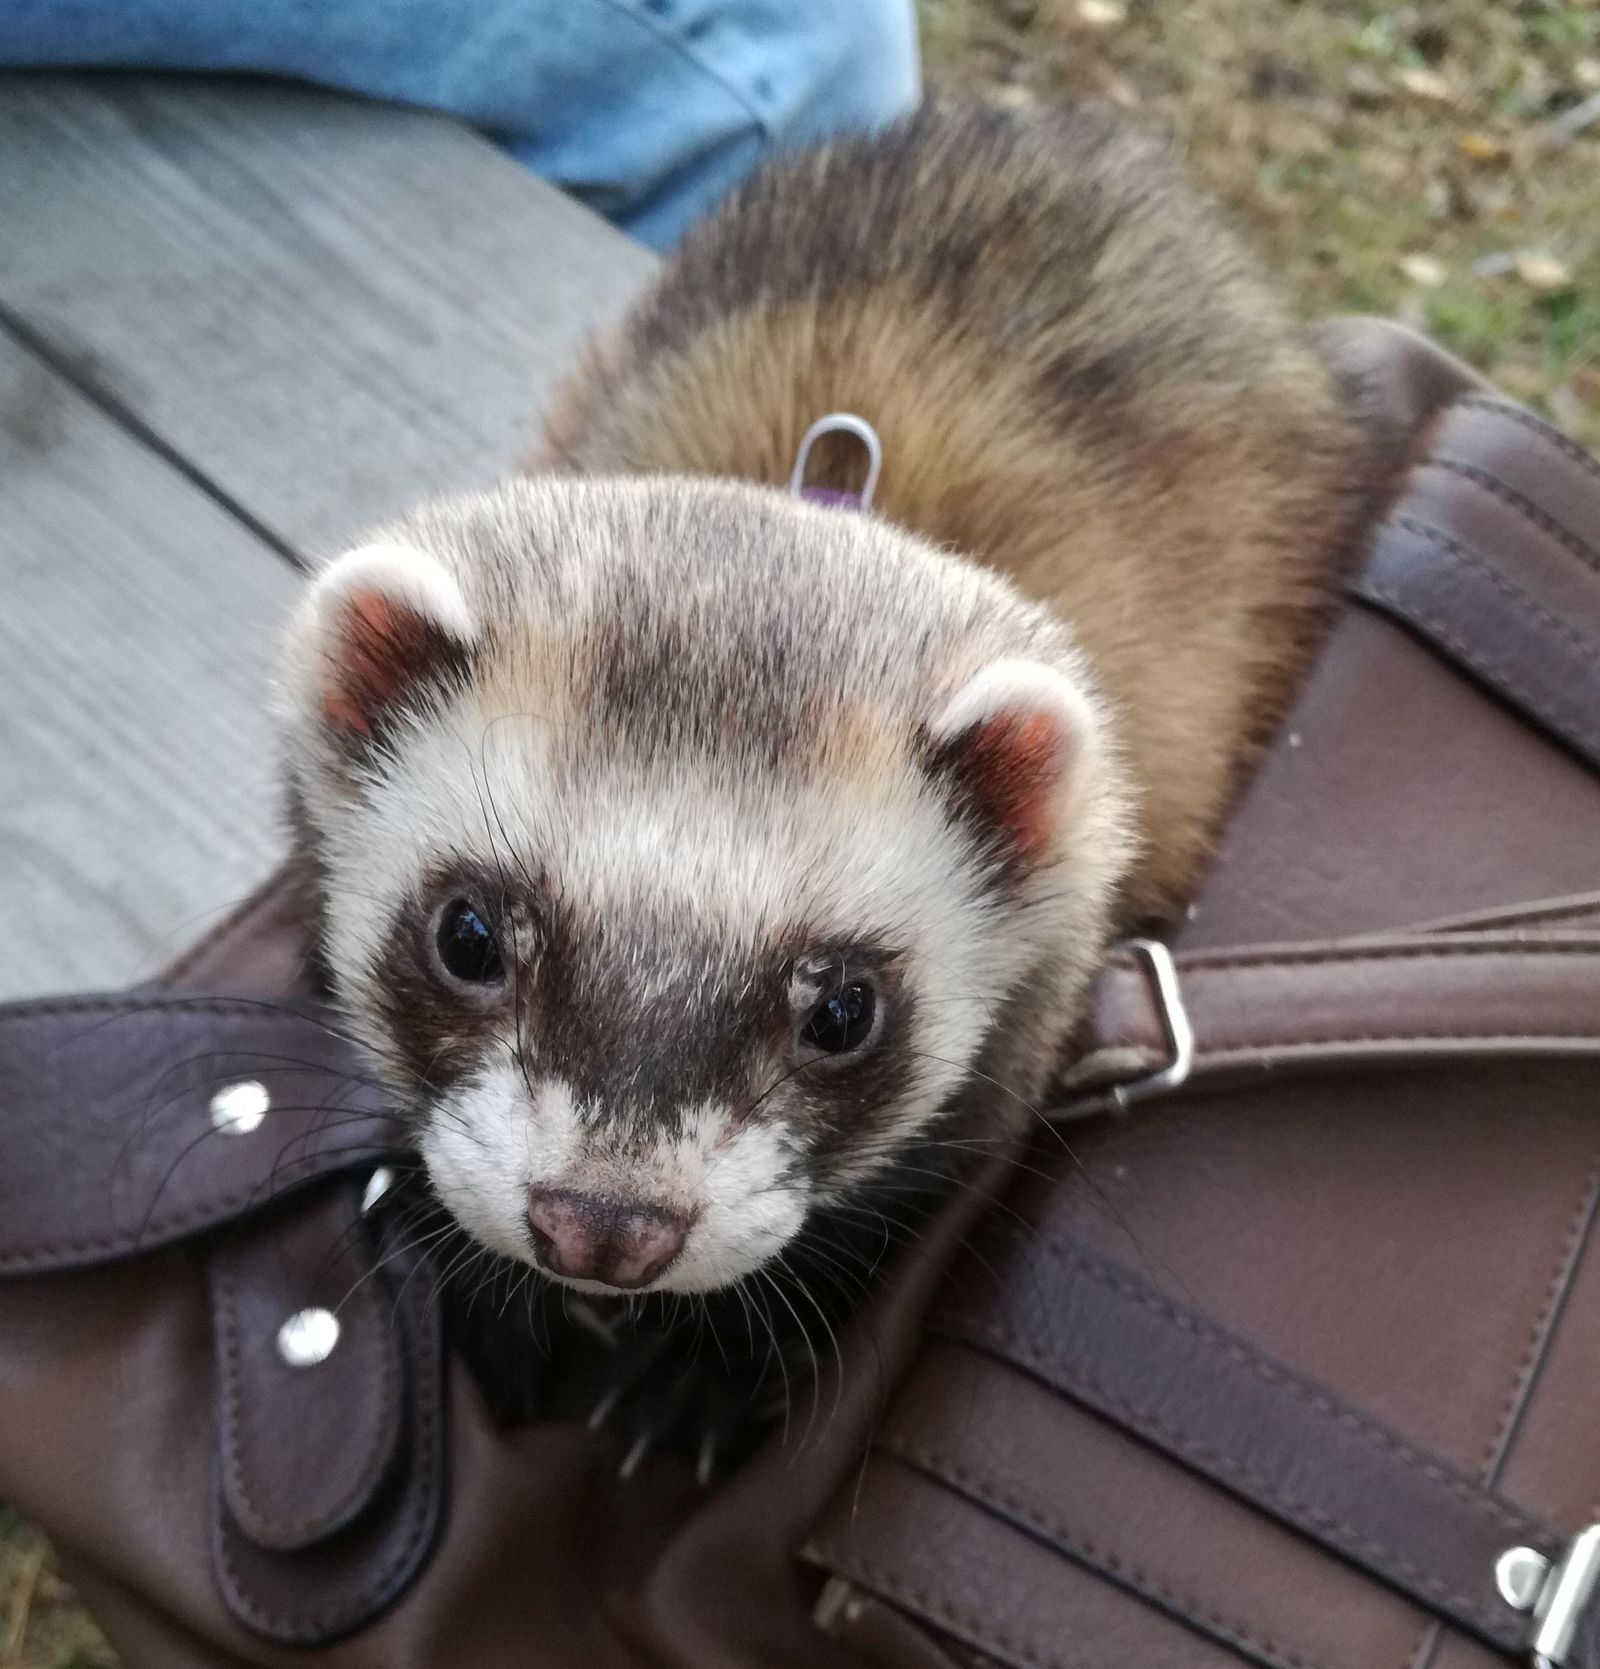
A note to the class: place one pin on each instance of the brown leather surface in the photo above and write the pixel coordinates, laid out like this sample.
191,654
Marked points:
1398,793
1098,1334
1494,580
1365,1229
1011,1598
1050,1470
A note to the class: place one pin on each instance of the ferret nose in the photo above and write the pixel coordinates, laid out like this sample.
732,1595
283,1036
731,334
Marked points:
621,1243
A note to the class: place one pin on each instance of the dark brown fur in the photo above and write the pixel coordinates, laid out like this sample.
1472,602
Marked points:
1079,377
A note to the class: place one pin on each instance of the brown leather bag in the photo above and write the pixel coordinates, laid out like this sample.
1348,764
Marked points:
1285,1357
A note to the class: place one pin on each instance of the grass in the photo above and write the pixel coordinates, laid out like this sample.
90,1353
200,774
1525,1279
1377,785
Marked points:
41,1626
1400,159
1387,158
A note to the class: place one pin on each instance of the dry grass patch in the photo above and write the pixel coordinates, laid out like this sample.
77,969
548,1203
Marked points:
1437,162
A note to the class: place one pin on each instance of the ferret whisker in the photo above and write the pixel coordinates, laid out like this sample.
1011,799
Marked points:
833,1338
769,1275
778,1356
419,1245
313,1014
1055,1131
182,1070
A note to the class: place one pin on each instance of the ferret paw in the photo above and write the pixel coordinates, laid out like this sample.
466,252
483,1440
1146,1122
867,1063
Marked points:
671,1391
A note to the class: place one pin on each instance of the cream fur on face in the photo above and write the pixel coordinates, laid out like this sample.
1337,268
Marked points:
744,721
494,1138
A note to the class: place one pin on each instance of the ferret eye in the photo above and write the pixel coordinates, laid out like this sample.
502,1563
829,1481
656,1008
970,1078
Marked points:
843,1021
468,949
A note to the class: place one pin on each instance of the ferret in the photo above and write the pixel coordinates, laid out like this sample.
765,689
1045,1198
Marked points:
711,871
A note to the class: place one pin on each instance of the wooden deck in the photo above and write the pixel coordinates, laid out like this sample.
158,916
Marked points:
237,323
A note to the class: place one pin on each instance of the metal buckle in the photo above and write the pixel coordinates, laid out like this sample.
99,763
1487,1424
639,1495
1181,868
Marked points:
1157,962
1557,1593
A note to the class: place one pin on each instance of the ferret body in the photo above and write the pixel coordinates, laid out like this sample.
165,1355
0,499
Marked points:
1081,379
705,867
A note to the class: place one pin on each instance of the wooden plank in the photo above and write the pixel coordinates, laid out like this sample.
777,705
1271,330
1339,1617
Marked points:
327,307
137,621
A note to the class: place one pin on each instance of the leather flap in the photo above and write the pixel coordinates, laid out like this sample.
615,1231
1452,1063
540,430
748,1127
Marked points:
330,1471
115,1141
291,1476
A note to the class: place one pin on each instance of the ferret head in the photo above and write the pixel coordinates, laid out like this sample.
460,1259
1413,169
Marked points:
686,852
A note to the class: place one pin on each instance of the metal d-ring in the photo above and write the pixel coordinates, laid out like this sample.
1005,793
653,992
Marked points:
841,423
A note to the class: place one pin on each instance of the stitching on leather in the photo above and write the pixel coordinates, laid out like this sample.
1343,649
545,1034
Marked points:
1041,1356
421,1492
380,1452
1248,1048
1584,908
1554,712
1519,952
1347,1536
1523,505
1529,420
977,1630
47,1007
230,1382
1279,1376
985,1490
158,1229
1288,1049
1558,1284
1401,1039
1509,589
1091,1074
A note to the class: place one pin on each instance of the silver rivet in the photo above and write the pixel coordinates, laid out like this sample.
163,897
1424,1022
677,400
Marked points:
308,1337
239,1108
1519,1574
378,1184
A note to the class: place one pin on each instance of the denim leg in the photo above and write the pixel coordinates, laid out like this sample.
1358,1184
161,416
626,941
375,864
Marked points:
648,109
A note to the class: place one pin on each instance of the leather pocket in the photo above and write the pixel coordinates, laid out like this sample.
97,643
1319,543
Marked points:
1002,1520
1246,1381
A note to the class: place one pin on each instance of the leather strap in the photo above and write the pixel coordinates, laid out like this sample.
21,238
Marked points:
1099,1334
115,1094
1332,1006
1494,559
111,1145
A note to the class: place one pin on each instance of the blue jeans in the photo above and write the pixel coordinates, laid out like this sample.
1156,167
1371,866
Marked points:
649,110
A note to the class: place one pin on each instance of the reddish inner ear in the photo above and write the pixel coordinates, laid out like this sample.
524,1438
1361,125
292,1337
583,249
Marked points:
384,648
1009,768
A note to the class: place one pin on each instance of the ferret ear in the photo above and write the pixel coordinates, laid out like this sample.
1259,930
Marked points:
1012,746
378,624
